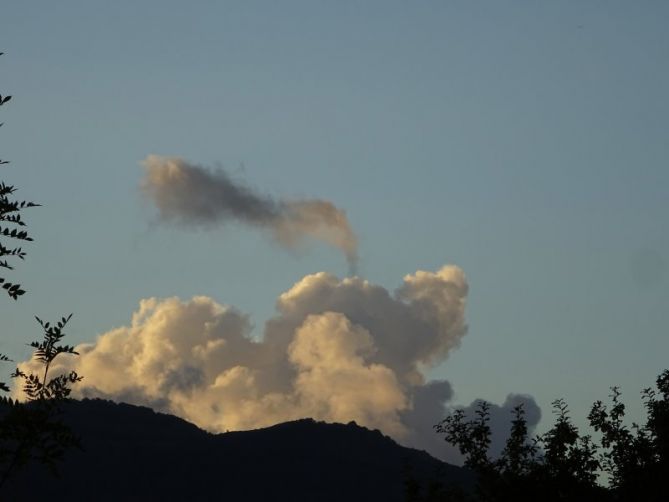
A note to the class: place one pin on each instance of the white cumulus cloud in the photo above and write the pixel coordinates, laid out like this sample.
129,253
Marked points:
336,350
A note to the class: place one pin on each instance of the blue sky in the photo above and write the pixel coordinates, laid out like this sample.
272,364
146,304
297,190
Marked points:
525,142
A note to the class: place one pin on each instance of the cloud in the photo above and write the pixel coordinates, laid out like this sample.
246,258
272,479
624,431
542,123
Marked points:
431,405
336,350
193,196
335,379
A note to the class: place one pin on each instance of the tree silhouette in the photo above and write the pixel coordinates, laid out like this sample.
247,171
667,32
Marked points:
563,464
32,430
11,226
636,458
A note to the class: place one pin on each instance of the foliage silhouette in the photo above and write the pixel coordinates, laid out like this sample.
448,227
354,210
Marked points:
636,459
562,464
33,430
11,226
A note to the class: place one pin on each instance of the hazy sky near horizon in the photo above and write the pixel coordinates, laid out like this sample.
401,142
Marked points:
525,142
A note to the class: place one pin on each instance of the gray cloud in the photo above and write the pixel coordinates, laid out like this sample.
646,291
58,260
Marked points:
191,195
431,405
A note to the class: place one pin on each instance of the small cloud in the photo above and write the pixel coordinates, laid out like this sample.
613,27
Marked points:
189,195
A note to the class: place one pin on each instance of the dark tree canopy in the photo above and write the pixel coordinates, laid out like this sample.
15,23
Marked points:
33,431
624,464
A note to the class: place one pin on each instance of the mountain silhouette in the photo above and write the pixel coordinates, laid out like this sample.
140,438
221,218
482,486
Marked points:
133,453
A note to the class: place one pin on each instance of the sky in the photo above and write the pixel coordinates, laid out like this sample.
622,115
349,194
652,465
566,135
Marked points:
525,143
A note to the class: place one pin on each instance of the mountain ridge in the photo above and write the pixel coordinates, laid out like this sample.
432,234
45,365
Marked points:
135,453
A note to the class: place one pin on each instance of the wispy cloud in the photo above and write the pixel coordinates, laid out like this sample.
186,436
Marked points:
192,195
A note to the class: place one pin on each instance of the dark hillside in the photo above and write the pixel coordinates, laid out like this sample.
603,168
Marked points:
133,453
